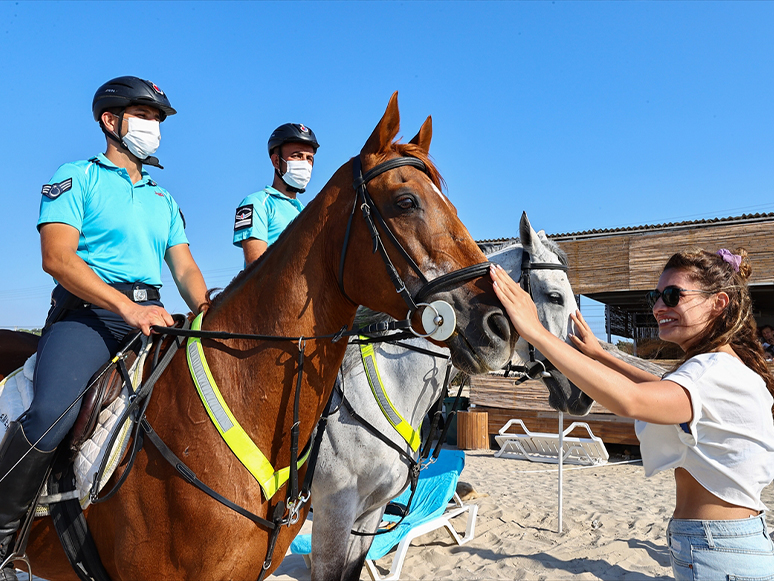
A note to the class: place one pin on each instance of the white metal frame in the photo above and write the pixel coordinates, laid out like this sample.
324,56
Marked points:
543,447
453,509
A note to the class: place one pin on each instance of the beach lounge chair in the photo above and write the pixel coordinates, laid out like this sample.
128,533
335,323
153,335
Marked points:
542,447
435,503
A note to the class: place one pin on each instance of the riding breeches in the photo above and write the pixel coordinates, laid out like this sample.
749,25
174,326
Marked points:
69,353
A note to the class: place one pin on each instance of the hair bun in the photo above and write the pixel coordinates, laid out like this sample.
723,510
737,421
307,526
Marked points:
745,267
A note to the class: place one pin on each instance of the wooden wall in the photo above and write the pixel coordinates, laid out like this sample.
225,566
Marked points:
633,261
503,400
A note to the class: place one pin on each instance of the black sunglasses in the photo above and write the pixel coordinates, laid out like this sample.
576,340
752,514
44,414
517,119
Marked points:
670,295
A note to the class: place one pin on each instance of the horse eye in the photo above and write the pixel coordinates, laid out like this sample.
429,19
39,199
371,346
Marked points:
406,203
556,298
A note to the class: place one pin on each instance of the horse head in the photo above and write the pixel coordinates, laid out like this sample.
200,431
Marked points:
555,303
428,245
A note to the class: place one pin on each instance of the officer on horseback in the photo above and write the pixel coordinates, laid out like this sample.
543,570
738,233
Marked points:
105,227
261,217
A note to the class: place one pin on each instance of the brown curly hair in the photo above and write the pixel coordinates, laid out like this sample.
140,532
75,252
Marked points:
735,326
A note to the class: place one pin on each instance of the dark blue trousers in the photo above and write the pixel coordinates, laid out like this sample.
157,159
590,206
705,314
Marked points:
69,353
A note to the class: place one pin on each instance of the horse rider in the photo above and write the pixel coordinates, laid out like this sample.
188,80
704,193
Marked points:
261,217
105,227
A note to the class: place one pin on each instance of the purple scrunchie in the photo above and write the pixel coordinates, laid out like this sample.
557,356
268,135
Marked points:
733,259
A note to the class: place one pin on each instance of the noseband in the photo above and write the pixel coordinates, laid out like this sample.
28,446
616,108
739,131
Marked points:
534,369
373,217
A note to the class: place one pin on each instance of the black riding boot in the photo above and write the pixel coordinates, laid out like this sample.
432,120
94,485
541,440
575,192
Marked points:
18,487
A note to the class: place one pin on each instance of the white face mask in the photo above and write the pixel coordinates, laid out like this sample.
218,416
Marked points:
143,137
298,175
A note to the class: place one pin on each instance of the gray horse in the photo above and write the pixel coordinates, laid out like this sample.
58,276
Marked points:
357,474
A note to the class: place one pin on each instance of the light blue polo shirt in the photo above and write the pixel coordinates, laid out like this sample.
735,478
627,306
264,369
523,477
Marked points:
264,215
125,229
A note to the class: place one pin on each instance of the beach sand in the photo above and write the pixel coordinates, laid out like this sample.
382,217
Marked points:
614,522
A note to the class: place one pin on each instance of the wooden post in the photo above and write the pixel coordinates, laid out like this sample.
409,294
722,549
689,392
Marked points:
472,430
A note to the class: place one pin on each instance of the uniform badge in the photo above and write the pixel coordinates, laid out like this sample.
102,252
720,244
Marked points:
244,217
53,191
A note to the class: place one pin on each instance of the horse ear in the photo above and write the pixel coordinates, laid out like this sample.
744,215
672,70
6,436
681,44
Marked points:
385,130
425,135
525,231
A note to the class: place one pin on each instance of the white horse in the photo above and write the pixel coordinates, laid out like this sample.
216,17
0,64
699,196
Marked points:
357,473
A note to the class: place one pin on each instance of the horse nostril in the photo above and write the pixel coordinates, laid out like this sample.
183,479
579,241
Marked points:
498,324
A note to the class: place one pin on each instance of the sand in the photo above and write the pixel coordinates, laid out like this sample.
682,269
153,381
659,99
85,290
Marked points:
614,522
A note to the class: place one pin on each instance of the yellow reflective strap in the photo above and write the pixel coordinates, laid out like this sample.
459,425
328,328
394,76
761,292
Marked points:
407,432
227,425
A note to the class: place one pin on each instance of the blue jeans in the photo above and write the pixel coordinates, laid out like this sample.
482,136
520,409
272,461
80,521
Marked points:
721,550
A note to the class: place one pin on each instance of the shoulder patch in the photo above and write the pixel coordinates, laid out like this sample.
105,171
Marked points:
181,216
243,217
53,191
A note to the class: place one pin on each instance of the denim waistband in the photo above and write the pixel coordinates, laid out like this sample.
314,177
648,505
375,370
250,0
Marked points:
718,528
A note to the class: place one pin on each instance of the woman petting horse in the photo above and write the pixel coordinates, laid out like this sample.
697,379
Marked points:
710,419
357,472
375,242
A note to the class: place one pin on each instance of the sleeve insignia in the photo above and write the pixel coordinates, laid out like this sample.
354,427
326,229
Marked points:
53,191
244,217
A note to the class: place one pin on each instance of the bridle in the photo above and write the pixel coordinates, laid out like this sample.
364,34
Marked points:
437,310
534,369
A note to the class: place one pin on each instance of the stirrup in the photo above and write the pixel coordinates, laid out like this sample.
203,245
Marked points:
18,551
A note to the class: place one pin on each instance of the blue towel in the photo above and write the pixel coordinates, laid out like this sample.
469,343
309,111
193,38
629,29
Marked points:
435,488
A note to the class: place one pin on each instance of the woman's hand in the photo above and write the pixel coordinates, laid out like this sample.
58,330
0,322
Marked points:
518,304
583,338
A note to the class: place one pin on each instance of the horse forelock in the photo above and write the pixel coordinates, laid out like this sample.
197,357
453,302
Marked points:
556,249
413,150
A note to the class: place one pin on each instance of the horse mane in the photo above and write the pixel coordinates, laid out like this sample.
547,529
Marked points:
363,317
556,249
548,243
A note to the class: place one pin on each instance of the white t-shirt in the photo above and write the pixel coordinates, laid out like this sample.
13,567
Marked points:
729,446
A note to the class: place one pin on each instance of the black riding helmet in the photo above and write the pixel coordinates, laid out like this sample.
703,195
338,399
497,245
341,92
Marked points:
122,92
292,133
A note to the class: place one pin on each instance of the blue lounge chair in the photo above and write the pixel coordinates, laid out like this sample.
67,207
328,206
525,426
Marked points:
435,503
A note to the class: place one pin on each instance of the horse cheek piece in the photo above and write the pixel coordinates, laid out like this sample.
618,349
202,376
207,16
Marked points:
438,318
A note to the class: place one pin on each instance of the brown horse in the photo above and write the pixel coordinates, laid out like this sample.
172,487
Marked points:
15,347
160,527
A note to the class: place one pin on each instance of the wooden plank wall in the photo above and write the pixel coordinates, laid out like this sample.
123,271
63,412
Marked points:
634,261
503,400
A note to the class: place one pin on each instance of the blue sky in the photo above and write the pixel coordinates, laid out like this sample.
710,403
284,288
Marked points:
584,114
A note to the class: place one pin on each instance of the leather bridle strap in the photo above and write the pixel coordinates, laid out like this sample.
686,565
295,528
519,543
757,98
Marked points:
373,218
371,212
527,266
453,279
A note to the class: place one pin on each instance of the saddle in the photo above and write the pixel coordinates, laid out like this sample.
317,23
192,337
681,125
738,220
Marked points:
101,394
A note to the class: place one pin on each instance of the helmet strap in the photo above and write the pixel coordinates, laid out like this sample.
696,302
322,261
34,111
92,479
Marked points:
150,160
286,184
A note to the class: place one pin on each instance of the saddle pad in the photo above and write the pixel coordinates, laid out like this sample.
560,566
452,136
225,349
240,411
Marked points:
16,392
